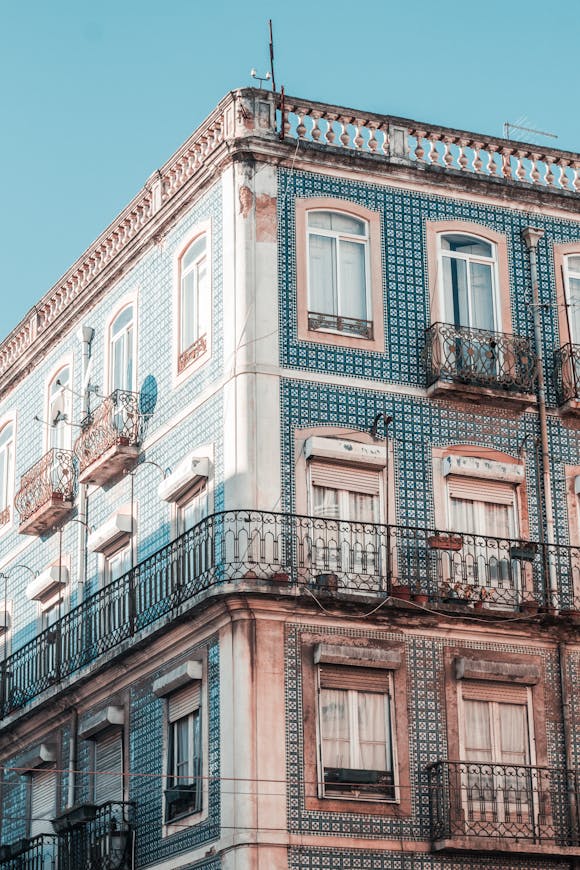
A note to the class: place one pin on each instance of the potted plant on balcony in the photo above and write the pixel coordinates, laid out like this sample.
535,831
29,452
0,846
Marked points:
456,593
524,551
420,595
445,541
483,595
401,591
529,606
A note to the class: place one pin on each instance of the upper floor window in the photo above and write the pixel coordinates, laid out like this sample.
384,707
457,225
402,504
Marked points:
6,472
469,277
59,410
572,286
185,760
194,303
338,273
121,352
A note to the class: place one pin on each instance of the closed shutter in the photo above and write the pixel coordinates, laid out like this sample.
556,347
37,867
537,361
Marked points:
109,768
43,802
480,490
184,702
503,693
357,679
353,479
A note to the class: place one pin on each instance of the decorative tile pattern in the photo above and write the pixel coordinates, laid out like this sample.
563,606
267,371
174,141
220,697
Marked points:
306,858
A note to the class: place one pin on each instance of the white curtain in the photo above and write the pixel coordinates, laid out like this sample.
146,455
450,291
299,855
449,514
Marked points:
372,732
323,275
481,296
334,726
353,280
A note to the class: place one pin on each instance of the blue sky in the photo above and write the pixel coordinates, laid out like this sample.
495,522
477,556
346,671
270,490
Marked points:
96,96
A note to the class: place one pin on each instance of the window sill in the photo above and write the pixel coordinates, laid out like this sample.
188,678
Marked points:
324,335
190,360
187,820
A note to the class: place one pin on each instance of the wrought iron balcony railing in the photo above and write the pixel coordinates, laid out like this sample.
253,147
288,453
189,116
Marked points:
537,805
326,555
102,840
46,490
109,433
567,373
33,853
476,357
337,323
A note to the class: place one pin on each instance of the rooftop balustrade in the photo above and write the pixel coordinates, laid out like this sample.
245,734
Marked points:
258,551
476,358
532,807
567,375
110,438
46,492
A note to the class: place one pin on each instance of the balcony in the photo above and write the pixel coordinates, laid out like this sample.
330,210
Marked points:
46,492
34,853
110,438
255,551
479,366
567,378
97,838
504,807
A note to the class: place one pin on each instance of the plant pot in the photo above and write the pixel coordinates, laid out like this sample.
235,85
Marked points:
529,607
478,605
445,542
403,593
420,598
328,582
280,577
525,551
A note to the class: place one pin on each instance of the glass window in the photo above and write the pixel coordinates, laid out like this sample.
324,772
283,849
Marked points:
59,411
469,282
572,284
192,508
356,740
6,472
117,564
121,371
338,268
184,762
195,309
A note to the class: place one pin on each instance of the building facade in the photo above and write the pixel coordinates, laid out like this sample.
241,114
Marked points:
289,521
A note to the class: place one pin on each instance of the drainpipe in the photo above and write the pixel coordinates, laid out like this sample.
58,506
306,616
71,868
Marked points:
532,236
86,335
567,734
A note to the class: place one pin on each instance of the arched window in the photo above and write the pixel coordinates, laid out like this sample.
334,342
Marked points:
59,410
121,351
338,273
469,275
572,286
6,472
195,307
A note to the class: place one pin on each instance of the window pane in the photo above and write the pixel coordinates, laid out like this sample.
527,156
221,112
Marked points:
478,746
188,311
455,291
353,294
326,502
574,307
466,245
6,435
574,263
124,318
513,723
322,278
319,219
193,253
334,726
373,732
482,316
362,508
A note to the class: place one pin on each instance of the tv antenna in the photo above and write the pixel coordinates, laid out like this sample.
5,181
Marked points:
269,75
508,127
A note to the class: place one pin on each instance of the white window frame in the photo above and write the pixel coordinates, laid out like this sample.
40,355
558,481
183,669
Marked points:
570,273
195,304
338,235
325,791
7,460
198,495
130,302
470,258
182,371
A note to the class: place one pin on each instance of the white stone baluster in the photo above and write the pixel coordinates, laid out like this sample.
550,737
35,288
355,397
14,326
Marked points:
316,132
345,135
330,133
535,172
301,128
549,178
506,163
373,142
462,158
520,155
385,145
434,156
359,141
491,167
448,155
477,161
575,164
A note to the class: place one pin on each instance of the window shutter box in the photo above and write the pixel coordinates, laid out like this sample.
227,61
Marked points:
115,529
74,817
495,492
109,717
357,656
44,753
190,471
484,469
47,583
178,677
497,672
337,449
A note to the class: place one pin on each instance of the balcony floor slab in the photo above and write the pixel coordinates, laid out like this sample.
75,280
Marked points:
481,395
46,517
503,844
113,462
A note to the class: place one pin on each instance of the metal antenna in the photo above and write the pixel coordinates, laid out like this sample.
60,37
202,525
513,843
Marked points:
508,127
272,56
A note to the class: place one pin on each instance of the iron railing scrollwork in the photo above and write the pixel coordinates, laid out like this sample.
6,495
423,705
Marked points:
103,842
509,801
292,551
567,372
52,478
337,323
116,421
31,853
477,357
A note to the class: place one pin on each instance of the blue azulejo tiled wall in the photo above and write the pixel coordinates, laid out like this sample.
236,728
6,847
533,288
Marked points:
418,425
308,858
405,282
146,757
427,730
